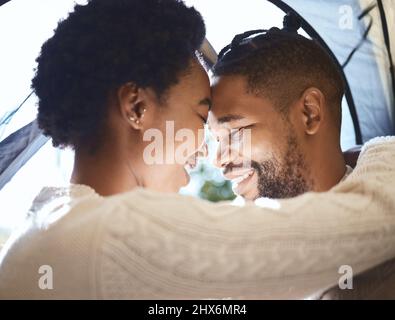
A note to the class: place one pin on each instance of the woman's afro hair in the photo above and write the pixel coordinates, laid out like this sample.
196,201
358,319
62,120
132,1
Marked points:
100,47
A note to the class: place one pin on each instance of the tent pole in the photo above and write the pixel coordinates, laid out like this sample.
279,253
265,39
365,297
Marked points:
3,2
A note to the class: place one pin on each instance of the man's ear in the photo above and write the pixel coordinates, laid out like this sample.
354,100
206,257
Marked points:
133,104
312,110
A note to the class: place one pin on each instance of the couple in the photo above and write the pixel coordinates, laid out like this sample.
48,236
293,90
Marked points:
279,89
115,69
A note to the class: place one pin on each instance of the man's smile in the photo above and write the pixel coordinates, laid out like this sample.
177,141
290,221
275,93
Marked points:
240,177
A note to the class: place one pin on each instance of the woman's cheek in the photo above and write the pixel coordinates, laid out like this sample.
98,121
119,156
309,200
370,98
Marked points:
193,134
200,136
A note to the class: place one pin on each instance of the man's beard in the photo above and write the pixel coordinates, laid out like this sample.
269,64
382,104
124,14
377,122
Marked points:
283,179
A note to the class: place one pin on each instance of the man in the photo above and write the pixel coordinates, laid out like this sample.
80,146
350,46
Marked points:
285,91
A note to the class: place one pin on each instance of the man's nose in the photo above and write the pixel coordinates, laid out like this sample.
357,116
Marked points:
223,155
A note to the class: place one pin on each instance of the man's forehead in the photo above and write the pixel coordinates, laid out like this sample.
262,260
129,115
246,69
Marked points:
230,96
230,102
225,86
232,99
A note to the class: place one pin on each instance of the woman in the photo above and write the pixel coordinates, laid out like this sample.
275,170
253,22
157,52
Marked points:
112,73
116,74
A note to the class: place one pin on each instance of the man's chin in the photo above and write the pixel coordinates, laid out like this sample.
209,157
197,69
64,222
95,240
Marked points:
249,195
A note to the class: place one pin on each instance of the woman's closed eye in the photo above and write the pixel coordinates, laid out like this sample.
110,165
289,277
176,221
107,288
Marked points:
204,118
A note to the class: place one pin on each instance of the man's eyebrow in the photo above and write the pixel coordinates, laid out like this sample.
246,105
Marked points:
206,102
229,118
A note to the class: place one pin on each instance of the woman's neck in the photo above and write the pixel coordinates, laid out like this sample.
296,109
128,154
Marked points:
108,172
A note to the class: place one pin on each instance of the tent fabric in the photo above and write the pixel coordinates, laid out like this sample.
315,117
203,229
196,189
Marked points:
367,73
388,18
17,149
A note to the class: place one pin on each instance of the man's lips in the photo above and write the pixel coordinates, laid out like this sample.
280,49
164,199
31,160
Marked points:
241,178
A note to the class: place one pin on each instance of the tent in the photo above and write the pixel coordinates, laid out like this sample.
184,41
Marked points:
358,33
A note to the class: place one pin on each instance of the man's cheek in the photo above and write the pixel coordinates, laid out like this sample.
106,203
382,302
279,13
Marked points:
253,192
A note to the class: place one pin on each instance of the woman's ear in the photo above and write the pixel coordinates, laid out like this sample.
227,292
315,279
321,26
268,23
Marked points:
312,110
133,104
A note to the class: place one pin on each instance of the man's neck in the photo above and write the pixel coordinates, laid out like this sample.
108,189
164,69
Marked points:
328,167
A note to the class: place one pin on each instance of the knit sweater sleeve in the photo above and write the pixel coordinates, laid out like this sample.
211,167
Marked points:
154,245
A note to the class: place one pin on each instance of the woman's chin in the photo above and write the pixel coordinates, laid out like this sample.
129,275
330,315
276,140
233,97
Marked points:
187,177
179,180
182,181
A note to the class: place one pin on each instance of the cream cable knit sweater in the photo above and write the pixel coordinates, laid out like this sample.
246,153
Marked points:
143,244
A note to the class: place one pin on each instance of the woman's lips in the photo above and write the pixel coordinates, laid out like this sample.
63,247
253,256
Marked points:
191,164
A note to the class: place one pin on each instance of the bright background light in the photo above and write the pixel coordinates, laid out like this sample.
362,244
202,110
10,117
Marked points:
226,18
24,26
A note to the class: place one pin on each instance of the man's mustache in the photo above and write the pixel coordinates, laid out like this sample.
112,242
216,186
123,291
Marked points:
231,166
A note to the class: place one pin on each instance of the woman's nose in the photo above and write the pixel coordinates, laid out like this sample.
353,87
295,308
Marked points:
203,151
223,155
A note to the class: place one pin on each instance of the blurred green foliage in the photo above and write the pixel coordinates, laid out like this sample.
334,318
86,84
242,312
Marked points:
216,191
211,184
